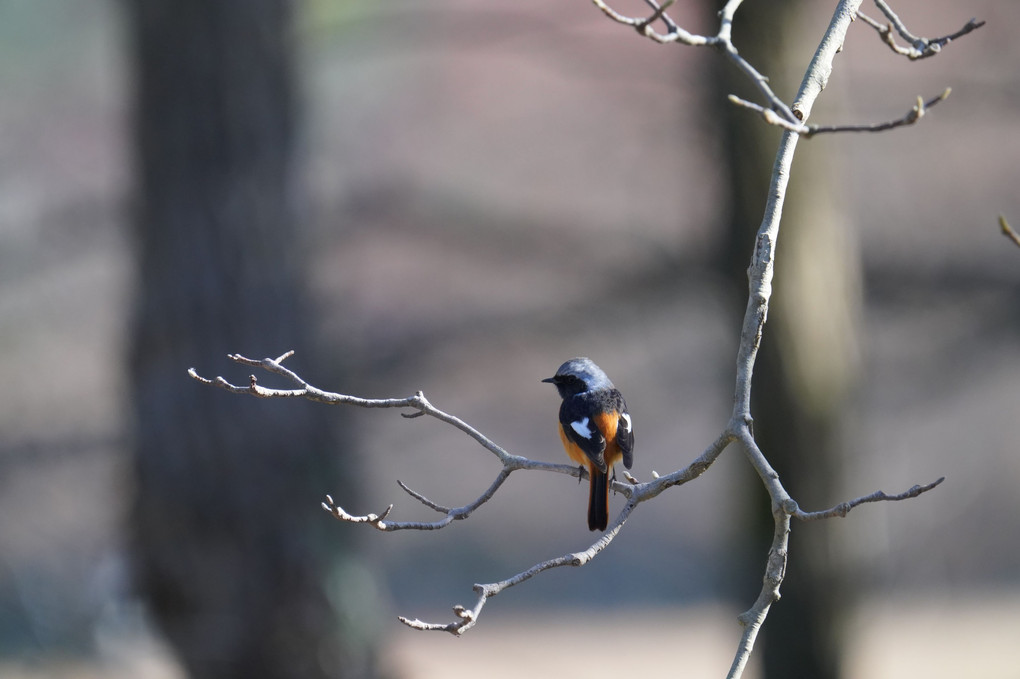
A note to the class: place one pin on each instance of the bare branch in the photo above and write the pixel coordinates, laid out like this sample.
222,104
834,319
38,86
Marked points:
911,117
643,25
1008,231
424,500
666,19
760,274
722,41
466,618
417,402
636,493
649,489
450,514
792,119
920,48
421,406
843,508
808,131
770,117
775,566
776,111
376,520
895,21
659,13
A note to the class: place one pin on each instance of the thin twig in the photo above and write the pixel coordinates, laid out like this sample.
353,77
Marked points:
1008,231
808,131
911,117
920,48
666,19
467,618
451,514
659,13
305,390
699,466
896,22
721,40
770,117
643,26
843,508
424,500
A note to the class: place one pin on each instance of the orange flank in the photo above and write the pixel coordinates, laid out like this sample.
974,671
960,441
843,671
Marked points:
607,423
573,452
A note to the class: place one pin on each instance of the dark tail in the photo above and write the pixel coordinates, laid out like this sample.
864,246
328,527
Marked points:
598,500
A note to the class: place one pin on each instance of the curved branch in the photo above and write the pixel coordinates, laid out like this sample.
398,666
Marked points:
721,40
843,508
376,520
421,406
660,13
305,390
468,617
739,429
649,489
920,48
760,273
775,566
777,112
643,25
450,514
808,131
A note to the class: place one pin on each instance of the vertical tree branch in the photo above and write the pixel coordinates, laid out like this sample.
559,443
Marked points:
817,75
760,275
761,272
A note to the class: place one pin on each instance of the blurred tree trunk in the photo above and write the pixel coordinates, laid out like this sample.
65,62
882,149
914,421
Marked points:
232,551
805,378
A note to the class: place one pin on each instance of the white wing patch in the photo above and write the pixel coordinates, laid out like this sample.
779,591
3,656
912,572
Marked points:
626,421
581,427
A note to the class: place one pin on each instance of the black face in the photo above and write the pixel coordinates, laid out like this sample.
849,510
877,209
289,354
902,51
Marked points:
567,385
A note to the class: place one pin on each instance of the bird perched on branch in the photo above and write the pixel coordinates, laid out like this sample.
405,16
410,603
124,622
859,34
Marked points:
596,429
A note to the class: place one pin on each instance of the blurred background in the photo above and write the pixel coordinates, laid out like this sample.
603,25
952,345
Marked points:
457,196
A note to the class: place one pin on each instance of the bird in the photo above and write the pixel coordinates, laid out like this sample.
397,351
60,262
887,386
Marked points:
596,429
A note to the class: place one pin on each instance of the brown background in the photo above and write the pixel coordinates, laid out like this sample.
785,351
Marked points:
476,170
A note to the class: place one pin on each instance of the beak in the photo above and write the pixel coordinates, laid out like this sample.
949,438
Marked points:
550,380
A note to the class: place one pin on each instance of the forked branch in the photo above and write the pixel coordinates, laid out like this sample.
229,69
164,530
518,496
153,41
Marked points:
919,48
911,117
450,514
635,491
419,405
722,41
467,617
760,275
792,119
774,110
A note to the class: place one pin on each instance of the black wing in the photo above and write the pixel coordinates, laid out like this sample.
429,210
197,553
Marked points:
611,400
576,418
625,435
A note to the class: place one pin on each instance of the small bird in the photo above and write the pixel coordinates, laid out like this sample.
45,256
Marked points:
596,429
